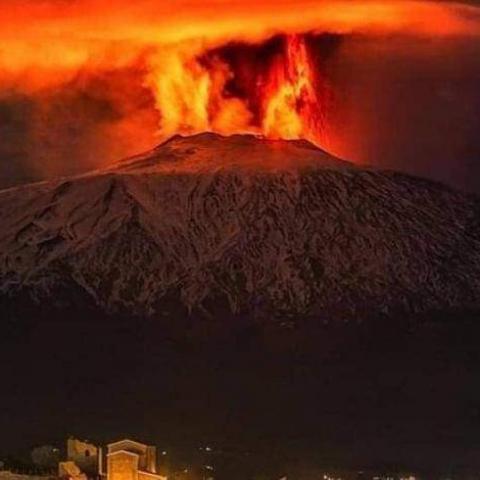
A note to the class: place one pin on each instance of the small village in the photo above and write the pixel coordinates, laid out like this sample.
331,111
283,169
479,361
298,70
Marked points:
121,460
131,460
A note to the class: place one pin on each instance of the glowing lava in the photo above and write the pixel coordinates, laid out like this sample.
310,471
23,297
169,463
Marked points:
191,95
118,73
292,104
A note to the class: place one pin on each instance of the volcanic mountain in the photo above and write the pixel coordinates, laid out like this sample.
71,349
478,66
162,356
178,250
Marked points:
239,226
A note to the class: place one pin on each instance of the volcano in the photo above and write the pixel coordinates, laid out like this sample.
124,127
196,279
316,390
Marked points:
210,226
251,291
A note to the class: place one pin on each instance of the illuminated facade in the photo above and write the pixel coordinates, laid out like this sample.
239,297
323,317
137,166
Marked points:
122,460
130,460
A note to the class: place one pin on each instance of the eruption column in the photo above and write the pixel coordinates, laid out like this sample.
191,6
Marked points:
191,95
292,104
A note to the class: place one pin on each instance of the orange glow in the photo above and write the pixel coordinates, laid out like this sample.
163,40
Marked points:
292,106
168,41
93,33
190,97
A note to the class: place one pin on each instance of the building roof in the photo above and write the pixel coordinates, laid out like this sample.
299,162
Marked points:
127,440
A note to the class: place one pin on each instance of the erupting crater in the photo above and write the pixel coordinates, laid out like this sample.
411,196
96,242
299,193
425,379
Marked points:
210,152
282,96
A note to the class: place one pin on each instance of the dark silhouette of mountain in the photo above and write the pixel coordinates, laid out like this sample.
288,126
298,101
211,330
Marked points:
241,225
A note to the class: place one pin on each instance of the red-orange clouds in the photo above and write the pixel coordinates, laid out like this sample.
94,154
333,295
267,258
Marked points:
109,77
63,35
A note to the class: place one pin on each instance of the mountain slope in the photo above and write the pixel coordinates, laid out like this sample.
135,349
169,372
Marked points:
241,225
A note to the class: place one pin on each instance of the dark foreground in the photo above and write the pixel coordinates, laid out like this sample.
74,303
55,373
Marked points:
402,394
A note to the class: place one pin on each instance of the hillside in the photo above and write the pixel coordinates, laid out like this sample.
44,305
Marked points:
240,226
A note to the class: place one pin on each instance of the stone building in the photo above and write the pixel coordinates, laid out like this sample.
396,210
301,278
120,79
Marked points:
130,460
70,471
84,455
122,460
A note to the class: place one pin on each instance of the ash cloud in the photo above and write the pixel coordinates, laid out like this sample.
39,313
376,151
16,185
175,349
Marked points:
73,94
410,104
89,122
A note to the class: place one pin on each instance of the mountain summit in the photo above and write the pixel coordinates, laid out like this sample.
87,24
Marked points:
206,152
240,225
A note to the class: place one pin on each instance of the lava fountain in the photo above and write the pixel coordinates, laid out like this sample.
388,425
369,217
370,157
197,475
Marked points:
292,105
105,79
287,101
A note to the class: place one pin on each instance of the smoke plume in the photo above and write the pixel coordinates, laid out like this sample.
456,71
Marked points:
91,81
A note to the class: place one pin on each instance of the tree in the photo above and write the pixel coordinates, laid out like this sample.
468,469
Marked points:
45,457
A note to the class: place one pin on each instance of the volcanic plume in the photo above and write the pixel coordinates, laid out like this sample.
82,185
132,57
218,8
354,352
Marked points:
196,95
125,76
293,108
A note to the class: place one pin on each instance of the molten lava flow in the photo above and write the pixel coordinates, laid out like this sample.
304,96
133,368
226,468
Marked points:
191,95
292,107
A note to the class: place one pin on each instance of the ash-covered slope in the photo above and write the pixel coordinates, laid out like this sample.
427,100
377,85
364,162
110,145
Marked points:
240,225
